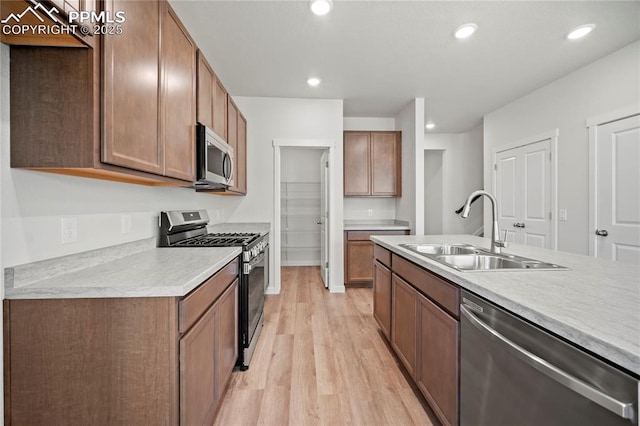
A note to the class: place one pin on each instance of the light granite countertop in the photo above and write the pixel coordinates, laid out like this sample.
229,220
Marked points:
137,269
595,304
376,225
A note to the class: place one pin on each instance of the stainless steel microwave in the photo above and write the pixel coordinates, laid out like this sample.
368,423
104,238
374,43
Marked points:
215,160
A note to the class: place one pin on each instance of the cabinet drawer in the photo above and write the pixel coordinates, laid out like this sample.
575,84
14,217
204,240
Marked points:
192,306
382,255
366,235
437,289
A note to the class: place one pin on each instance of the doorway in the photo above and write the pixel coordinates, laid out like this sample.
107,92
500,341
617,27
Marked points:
323,210
614,218
525,188
301,201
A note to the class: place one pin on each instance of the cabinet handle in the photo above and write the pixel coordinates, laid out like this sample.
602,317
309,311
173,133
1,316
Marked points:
602,232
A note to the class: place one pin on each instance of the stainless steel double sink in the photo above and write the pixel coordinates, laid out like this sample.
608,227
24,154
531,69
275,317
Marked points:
466,258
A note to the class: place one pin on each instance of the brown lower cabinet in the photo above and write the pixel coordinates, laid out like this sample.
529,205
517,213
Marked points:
424,328
358,256
121,361
404,322
382,297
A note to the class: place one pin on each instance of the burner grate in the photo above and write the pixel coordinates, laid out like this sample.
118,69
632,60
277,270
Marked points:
220,240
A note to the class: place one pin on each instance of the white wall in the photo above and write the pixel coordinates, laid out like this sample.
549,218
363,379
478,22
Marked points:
606,85
282,118
462,173
301,164
356,208
433,191
370,123
410,206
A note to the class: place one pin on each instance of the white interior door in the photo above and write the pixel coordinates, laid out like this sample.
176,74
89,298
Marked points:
506,193
617,151
324,217
523,191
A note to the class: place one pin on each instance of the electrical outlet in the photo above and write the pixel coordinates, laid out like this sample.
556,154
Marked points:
69,230
370,212
563,215
217,214
125,223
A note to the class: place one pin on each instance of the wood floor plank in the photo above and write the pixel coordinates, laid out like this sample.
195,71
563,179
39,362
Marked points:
274,408
321,360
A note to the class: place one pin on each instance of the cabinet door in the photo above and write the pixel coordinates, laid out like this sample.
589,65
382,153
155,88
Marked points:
206,81
382,297
232,135
130,89
197,374
219,109
241,154
356,163
226,337
437,375
385,164
178,98
404,321
359,261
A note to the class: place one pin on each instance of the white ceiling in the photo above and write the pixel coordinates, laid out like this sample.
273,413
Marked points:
378,55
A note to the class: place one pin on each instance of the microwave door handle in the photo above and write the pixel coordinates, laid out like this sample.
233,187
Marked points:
622,409
230,168
225,168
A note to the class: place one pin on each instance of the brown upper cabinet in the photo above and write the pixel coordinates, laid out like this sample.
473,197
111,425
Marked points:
217,111
372,164
60,13
212,98
134,124
155,41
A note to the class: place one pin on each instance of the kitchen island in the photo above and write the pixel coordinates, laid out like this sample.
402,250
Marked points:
425,308
595,304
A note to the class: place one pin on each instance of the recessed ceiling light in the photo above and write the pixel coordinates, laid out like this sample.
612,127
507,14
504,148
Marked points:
313,81
466,30
580,31
430,126
320,7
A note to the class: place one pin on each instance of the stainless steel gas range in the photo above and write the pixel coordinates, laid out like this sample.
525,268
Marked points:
189,229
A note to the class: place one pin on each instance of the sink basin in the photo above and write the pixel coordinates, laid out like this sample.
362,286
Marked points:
489,262
480,262
466,258
440,249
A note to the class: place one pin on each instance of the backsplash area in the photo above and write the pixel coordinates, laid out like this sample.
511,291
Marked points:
369,208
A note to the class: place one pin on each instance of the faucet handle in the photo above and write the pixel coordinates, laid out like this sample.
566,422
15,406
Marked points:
503,243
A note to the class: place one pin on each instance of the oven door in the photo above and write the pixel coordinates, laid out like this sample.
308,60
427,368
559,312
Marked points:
255,280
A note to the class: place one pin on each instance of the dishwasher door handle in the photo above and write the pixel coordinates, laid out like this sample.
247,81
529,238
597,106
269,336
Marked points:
622,409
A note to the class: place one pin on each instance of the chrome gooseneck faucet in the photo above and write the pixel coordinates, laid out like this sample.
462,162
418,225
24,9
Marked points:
496,243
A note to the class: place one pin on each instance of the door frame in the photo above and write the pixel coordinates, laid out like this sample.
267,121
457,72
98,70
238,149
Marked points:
592,124
552,135
335,285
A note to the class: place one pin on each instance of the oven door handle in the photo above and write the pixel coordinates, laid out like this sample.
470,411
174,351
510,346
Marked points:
249,266
622,409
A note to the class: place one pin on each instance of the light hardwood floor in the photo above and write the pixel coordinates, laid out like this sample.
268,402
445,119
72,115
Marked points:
320,360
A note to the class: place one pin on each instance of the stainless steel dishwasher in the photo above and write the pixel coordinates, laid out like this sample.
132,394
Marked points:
513,373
